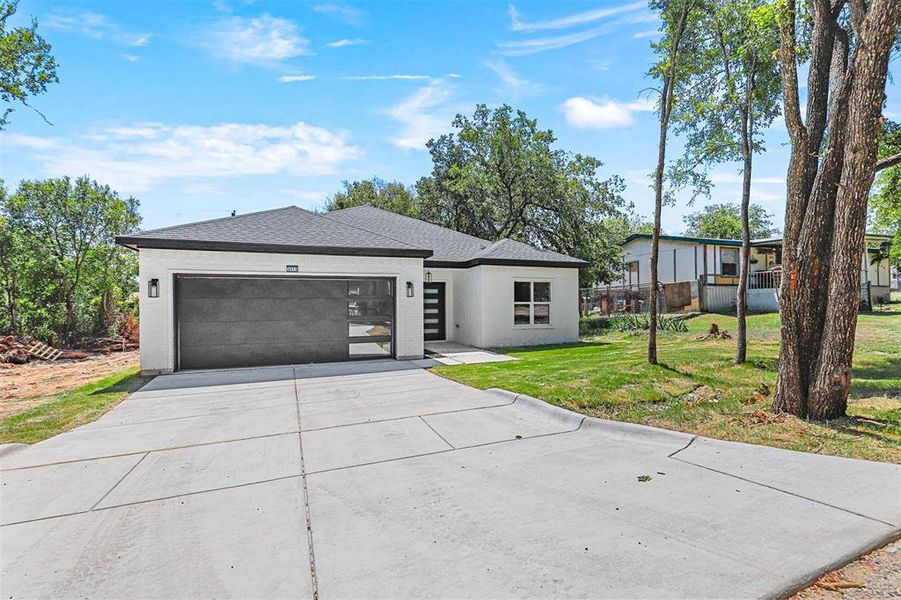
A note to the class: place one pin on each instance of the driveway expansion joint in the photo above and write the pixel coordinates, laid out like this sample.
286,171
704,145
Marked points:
443,439
404,418
305,496
121,479
790,493
166,449
150,500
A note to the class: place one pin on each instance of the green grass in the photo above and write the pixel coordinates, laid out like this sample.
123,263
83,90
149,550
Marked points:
697,389
60,412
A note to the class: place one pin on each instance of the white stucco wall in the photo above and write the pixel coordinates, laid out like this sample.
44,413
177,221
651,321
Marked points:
157,314
489,323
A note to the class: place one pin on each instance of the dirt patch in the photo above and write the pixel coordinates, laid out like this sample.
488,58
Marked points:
22,386
874,575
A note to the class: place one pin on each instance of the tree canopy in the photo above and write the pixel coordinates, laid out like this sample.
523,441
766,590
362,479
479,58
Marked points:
61,272
393,196
723,221
26,65
498,175
885,199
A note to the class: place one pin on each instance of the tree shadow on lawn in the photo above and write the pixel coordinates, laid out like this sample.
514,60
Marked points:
868,427
546,347
881,379
894,312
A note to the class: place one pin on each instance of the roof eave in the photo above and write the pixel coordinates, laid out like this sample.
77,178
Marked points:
135,243
686,239
509,262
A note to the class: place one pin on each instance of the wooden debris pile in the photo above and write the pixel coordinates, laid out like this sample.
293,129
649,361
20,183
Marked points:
13,351
715,333
110,344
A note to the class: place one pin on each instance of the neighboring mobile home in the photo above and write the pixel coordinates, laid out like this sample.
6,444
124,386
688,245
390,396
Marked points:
290,286
708,268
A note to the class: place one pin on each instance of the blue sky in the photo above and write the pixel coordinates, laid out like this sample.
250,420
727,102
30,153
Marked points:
201,108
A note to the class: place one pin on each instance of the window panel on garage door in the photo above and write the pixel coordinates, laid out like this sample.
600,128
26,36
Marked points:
254,321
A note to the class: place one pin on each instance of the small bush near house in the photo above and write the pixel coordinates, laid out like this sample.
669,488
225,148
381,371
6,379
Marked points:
593,325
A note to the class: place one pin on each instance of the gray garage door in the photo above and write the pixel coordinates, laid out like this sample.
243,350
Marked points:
253,321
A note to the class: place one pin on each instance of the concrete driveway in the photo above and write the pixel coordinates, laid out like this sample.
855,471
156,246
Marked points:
380,479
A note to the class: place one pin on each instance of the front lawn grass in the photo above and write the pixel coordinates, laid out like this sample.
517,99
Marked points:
697,389
60,412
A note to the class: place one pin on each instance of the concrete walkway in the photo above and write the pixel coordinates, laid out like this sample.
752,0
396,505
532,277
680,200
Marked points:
451,353
380,479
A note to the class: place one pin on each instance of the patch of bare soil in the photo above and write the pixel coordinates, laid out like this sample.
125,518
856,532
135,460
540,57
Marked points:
22,386
874,575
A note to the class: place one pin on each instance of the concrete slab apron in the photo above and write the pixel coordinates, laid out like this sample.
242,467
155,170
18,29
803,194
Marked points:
201,503
414,486
532,501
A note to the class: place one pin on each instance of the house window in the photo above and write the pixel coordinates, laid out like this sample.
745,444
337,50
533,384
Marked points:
729,261
531,303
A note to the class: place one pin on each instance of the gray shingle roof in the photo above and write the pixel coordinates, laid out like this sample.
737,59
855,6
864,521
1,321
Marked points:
449,247
361,230
290,229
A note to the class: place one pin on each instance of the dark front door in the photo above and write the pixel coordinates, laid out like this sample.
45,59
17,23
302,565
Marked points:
433,311
252,321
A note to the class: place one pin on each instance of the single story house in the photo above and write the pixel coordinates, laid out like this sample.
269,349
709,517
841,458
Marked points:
709,268
290,286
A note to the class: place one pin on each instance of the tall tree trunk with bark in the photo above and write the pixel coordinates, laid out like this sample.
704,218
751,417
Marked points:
828,184
741,299
666,109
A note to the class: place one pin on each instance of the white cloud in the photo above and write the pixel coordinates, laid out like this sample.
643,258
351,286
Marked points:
133,158
424,114
573,20
94,25
30,142
536,45
723,177
514,85
602,113
640,177
344,42
525,47
131,57
306,196
647,34
293,78
386,77
263,40
346,13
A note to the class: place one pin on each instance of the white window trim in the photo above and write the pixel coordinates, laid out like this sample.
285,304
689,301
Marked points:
550,310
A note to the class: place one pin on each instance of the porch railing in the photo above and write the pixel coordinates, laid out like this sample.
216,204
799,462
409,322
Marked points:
760,280
765,280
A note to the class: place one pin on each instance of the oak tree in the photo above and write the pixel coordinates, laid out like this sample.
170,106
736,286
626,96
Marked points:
844,46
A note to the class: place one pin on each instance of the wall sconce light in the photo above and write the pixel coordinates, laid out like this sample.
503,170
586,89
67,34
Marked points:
428,277
409,289
153,288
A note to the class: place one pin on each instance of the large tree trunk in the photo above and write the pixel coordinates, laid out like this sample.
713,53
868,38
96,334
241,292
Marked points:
826,205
